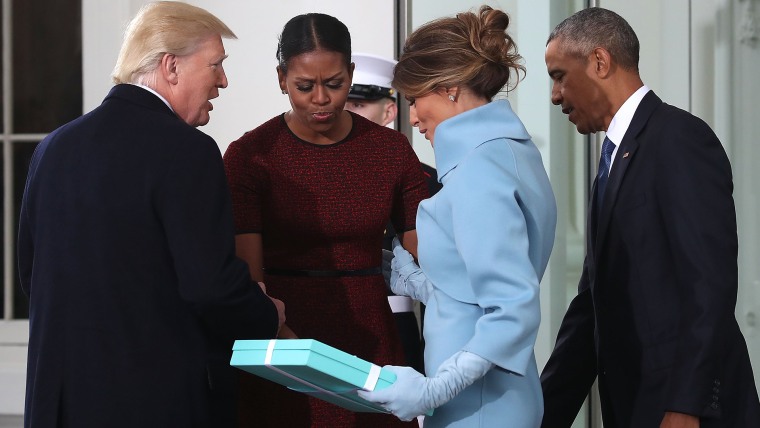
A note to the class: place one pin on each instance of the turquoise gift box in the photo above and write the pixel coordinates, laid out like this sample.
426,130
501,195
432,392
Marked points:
316,369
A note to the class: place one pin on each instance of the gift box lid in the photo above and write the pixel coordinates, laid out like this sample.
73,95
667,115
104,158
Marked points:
312,367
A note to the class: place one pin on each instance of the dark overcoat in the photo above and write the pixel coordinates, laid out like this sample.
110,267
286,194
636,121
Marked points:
126,251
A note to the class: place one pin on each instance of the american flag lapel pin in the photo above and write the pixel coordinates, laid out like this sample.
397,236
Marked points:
625,155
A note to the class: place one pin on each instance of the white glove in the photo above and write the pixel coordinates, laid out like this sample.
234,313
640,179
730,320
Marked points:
413,394
407,279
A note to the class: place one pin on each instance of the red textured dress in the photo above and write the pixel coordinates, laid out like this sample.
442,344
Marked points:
322,210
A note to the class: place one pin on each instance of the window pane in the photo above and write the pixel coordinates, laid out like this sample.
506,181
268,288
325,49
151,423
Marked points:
47,64
22,154
2,94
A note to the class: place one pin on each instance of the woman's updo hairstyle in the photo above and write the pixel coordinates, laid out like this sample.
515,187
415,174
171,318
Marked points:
470,50
312,32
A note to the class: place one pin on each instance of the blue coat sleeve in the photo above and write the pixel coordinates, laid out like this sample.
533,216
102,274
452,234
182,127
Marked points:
491,234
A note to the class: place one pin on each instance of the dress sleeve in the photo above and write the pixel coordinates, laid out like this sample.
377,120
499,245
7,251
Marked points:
411,190
245,182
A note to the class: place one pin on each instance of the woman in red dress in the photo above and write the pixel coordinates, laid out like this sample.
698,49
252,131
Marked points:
312,191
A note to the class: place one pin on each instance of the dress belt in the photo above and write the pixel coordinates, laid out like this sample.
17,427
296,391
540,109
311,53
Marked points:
324,273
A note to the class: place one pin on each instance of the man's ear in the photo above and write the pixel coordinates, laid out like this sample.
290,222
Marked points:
602,62
169,68
390,111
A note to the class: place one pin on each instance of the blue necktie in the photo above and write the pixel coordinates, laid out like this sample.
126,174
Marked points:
604,170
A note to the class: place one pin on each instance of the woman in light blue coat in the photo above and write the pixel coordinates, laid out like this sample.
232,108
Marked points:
484,239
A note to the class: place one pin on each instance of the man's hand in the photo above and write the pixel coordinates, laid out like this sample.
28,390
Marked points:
679,420
280,312
286,333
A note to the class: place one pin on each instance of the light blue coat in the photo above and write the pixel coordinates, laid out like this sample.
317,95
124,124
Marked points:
484,243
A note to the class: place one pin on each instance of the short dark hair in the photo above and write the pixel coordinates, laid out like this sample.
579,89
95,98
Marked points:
311,32
596,27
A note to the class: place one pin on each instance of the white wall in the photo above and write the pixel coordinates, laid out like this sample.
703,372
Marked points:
14,335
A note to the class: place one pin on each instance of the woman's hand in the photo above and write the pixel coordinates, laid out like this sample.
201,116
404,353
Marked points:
413,394
407,279
405,397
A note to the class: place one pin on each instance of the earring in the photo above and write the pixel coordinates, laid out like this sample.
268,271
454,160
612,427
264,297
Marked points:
284,92
452,98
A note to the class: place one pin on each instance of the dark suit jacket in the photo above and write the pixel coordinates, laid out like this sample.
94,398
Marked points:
654,316
126,251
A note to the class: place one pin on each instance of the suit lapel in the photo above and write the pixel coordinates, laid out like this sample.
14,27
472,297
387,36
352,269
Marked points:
625,154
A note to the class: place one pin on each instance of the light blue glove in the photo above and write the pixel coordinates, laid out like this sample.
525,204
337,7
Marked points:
413,394
407,279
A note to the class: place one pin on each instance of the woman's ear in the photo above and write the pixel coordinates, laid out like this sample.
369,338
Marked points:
452,93
281,79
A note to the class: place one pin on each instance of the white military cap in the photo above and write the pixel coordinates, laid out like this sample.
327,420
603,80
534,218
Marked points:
372,77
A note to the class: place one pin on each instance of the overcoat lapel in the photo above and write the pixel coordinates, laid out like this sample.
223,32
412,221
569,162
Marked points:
625,154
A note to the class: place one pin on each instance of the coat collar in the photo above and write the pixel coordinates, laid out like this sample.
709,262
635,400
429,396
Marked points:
138,95
459,135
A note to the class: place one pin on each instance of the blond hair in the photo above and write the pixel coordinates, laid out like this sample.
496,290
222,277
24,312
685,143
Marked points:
159,28
471,50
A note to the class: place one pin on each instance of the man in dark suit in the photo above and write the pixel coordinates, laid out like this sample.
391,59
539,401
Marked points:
654,317
126,246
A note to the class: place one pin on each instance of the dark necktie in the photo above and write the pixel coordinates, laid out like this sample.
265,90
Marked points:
604,170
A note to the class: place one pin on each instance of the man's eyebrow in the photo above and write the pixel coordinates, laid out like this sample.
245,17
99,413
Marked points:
220,59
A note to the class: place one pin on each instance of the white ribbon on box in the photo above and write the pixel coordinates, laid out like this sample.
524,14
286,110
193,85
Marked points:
369,384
